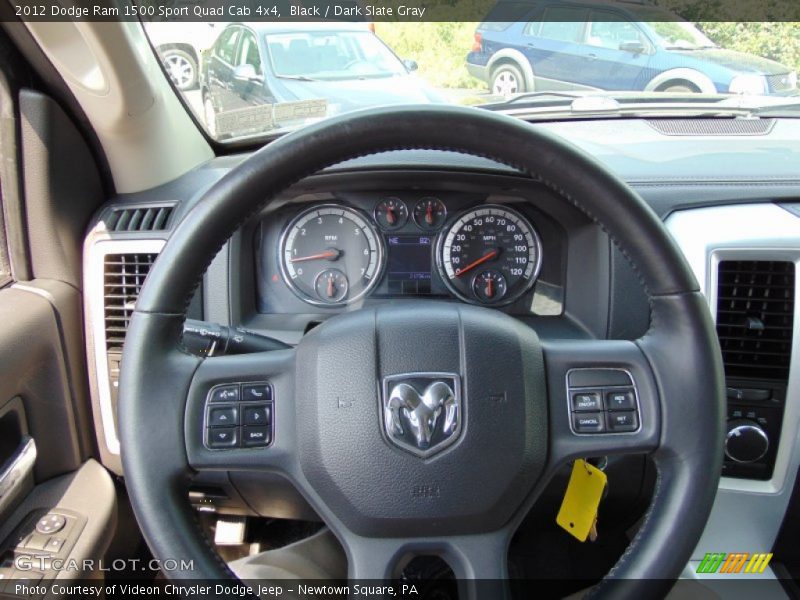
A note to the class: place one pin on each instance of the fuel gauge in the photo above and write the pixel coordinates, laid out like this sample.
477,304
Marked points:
430,213
391,213
489,286
331,286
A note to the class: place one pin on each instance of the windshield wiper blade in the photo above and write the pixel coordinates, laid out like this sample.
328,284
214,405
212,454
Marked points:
295,77
578,102
690,49
527,96
777,110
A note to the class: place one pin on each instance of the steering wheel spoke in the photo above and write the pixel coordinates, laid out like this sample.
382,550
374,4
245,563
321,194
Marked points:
240,413
603,400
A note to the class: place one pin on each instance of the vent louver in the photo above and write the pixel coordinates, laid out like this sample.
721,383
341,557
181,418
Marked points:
755,317
145,218
692,127
124,275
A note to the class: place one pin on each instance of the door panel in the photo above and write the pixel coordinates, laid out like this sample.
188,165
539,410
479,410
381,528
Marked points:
553,47
44,400
33,368
612,68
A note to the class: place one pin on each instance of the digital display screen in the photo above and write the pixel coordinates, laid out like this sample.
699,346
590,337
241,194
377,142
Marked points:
409,263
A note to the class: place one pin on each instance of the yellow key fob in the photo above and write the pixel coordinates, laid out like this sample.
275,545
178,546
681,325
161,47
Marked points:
579,508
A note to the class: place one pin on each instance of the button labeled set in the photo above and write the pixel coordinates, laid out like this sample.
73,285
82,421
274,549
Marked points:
239,415
607,403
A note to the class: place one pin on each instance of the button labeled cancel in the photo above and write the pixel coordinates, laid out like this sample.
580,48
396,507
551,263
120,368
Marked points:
588,422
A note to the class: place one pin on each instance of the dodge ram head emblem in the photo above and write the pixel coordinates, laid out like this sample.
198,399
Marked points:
422,411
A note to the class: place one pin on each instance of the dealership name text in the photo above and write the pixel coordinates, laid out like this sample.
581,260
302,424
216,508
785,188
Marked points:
235,590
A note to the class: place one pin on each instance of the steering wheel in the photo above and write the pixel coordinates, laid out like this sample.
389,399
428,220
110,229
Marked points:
384,503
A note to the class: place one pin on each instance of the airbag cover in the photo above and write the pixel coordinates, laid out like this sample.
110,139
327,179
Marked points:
376,487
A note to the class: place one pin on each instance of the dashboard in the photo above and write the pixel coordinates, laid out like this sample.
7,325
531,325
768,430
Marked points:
406,225
342,248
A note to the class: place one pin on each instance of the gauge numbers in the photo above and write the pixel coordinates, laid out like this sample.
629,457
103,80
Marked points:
391,213
330,255
490,255
430,213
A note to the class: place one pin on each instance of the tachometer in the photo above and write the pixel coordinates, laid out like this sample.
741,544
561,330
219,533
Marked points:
490,255
330,255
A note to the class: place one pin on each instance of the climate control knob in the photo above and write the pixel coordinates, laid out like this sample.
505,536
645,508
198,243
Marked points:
745,441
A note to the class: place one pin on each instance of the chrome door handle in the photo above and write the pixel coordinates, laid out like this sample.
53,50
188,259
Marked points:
16,470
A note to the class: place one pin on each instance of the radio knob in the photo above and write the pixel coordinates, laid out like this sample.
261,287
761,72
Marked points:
745,441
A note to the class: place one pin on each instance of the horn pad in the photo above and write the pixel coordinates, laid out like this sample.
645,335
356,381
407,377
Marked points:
385,446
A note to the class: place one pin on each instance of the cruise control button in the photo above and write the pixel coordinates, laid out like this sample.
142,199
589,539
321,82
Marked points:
51,523
586,401
223,416
588,422
259,392
620,400
223,437
256,415
255,436
623,421
225,393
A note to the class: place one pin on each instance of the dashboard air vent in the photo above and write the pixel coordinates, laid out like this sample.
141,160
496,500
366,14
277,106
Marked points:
144,218
124,275
755,316
712,126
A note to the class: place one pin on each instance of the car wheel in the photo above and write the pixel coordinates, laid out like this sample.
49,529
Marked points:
210,115
679,88
507,80
181,68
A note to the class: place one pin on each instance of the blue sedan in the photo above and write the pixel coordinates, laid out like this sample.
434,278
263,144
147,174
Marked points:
585,46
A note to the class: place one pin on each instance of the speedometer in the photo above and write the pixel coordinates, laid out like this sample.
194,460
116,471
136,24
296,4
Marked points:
490,255
330,255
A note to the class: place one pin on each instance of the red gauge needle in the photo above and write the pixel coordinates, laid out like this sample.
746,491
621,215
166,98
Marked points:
331,289
390,218
327,255
488,256
429,215
490,288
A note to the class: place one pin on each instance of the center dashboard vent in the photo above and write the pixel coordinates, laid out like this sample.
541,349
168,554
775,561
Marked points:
144,218
124,275
755,317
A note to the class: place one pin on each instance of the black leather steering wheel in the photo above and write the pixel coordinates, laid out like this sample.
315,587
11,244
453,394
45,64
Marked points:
516,422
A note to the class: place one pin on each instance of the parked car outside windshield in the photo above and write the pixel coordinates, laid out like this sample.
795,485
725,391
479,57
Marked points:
258,76
564,46
264,78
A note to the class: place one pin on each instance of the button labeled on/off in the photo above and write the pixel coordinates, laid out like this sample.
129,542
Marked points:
587,401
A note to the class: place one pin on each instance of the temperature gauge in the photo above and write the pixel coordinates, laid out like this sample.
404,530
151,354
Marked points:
489,286
430,213
391,213
331,286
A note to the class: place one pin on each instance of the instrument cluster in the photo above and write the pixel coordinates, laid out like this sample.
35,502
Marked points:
333,254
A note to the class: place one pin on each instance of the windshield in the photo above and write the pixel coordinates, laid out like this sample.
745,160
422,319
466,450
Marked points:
328,56
250,80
